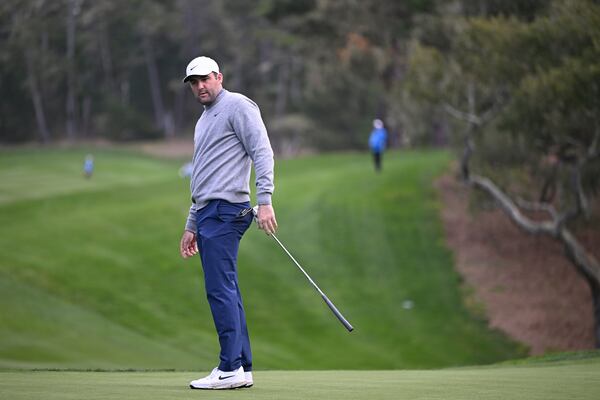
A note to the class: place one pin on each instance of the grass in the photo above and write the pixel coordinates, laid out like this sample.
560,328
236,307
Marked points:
577,378
90,275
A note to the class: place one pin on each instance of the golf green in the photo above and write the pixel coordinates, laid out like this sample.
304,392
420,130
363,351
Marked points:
578,379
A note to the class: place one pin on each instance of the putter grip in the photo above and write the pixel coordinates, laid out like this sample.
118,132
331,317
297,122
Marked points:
337,313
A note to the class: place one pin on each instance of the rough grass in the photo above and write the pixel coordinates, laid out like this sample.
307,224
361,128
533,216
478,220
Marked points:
90,275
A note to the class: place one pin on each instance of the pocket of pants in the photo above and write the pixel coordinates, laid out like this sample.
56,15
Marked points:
232,212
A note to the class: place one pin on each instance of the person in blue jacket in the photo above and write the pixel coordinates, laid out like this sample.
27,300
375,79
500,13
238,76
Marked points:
88,166
377,142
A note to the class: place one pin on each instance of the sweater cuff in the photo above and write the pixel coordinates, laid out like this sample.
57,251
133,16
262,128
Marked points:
190,224
263,198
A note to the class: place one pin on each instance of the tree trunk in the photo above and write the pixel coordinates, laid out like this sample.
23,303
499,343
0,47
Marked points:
596,298
106,58
589,268
154,81
595,290
296,81
124,92
36,97
71,104
282,89
86,116
179,111
169,125
194,18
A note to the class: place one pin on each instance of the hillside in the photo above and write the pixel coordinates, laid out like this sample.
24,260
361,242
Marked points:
90,275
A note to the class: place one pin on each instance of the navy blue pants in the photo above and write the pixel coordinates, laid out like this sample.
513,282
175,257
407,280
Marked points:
220,227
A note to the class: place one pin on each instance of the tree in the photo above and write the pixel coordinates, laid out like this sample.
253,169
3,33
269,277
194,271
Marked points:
528,95
27,49
355,61
73,9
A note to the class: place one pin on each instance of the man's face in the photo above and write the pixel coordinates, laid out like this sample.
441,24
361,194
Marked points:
206,87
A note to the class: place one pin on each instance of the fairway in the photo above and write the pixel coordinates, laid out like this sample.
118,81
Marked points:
91,277
545,381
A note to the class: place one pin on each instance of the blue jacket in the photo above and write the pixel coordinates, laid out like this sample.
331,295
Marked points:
377,140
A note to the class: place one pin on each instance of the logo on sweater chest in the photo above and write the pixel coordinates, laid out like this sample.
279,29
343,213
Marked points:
213,130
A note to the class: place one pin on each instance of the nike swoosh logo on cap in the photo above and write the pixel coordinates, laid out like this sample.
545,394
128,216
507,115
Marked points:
191,69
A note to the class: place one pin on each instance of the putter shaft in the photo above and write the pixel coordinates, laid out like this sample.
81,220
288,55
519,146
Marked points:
329,303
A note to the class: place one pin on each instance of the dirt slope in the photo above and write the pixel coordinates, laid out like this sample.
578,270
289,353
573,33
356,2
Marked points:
528,288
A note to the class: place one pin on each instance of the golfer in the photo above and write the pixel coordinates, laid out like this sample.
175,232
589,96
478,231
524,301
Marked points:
229,136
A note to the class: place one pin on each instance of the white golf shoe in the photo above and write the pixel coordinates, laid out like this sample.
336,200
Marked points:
221,380
249,380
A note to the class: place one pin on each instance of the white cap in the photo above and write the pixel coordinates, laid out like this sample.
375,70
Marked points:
377,123
200,66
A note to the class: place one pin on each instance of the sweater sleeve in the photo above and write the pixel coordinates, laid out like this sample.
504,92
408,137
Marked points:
250,129
190,223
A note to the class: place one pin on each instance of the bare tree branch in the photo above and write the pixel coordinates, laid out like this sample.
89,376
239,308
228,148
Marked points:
585,262
536,206
513,211
471,116
463,116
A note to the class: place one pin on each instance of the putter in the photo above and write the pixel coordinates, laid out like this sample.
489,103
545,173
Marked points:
331,306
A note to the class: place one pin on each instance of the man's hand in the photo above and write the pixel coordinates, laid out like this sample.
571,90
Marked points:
266,219
188,246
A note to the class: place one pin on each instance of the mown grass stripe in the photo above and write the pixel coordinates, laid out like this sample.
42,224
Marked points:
104,253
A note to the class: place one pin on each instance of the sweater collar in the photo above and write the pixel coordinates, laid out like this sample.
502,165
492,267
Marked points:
217,99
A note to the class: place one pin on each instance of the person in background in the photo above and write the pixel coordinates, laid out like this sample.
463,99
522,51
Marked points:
377,141
186,170
88,166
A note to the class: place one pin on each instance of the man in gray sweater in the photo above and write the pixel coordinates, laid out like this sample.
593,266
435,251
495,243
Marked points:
229,136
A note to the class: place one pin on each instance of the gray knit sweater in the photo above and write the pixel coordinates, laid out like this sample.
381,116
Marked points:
229,136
